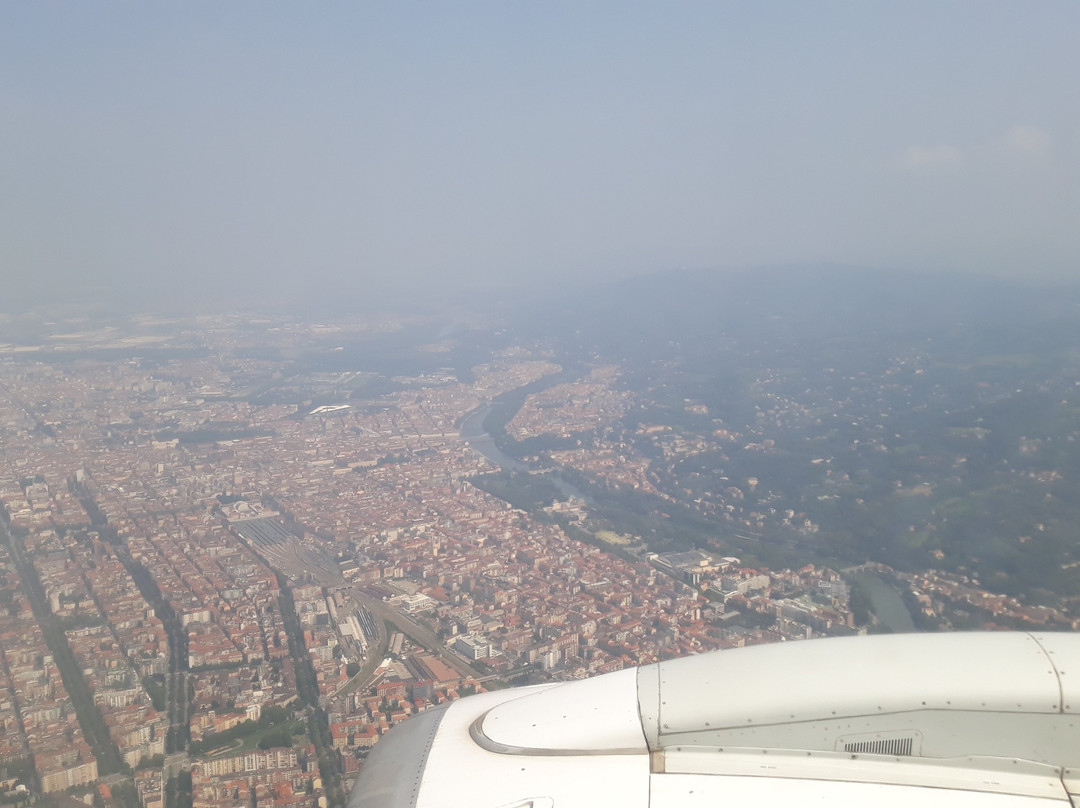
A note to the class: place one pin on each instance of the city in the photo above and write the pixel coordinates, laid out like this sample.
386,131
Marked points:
204,582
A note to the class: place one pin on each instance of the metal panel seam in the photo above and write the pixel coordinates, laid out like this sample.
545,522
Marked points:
1057,673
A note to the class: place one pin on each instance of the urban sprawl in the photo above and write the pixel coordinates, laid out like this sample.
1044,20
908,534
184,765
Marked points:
194,583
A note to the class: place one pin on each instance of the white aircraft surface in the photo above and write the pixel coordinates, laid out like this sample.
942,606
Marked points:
926,720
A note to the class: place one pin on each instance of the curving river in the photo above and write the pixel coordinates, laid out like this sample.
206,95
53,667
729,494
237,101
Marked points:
472,430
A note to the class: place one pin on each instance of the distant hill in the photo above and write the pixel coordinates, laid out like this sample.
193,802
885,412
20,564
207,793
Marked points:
642,317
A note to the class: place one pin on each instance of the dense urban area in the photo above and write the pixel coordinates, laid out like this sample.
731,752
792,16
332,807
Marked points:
236,551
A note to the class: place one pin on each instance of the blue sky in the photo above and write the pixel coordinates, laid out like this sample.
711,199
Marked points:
210,151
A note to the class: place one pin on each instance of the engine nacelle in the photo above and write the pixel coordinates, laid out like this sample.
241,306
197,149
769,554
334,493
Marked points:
945,719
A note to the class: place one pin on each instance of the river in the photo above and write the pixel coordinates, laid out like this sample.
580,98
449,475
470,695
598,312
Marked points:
888,606
472,429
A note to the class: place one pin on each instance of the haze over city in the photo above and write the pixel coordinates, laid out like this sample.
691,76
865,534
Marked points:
356,359
176,155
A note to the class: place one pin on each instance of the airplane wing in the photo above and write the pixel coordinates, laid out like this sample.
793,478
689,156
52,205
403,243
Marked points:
951,720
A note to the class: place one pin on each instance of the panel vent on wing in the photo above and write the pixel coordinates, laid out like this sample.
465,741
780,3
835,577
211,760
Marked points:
900,744
892,746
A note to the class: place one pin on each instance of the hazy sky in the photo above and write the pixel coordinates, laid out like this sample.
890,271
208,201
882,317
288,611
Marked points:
194,150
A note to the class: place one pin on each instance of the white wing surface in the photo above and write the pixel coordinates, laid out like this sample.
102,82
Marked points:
950,720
